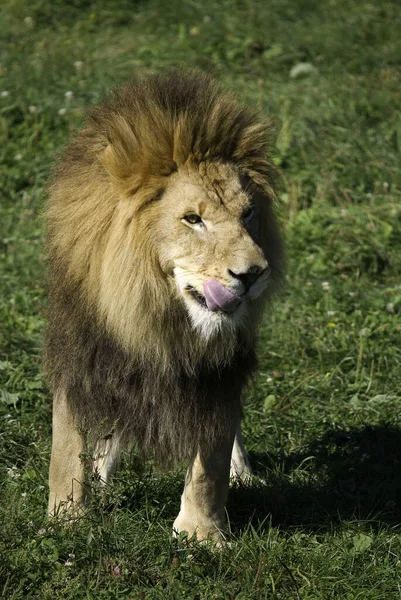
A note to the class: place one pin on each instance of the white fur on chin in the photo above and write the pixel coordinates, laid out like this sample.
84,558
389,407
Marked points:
207,322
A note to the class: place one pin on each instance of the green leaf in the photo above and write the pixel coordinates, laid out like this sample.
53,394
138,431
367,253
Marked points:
30,474
8,398
361,542
381,399
269,402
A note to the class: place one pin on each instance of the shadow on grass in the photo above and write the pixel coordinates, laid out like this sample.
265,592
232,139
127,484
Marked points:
344,475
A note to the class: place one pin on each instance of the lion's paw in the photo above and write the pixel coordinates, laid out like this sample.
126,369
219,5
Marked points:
204,530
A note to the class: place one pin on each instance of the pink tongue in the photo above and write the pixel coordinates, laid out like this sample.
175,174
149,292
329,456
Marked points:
219,297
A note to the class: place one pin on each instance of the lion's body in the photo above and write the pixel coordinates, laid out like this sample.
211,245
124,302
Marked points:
136,348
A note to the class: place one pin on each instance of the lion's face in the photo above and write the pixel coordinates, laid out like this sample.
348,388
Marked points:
161,225
211,242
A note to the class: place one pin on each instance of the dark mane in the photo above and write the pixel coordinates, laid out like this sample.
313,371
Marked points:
180,116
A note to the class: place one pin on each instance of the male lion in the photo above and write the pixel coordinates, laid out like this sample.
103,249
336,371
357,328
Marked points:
163,250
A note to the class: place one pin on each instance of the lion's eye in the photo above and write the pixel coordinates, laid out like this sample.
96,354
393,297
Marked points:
193,219
248,214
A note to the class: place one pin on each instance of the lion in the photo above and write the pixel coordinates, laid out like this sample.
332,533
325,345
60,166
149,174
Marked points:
163,250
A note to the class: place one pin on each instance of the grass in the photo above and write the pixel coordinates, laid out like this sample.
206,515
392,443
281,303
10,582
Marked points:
323,419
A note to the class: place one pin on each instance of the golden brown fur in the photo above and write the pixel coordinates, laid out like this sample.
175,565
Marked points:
126,344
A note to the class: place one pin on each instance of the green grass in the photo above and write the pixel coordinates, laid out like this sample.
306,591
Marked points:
323,418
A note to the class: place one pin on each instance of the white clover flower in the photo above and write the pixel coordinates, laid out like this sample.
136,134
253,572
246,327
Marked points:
32,109
303,69
29,21
344,212
62,112
13,473
309,284
331,313
269,379
70,560
352,294
4,93
390,307
24,494
364,332
194,31
325,285
69,95
78,64
18,156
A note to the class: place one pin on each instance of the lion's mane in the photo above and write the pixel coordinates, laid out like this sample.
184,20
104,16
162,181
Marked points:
152,379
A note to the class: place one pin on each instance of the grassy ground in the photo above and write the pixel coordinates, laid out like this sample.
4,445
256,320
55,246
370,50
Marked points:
323,420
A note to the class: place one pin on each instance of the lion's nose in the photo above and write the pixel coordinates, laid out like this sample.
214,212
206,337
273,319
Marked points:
248,277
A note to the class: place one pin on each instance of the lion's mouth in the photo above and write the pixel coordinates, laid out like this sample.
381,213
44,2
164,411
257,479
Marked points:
200,299
217,298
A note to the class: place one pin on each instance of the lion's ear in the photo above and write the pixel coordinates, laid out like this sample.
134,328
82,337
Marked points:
122,155
133,159
121,169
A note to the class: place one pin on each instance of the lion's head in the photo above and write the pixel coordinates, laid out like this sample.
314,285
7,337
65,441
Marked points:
162,213
215,239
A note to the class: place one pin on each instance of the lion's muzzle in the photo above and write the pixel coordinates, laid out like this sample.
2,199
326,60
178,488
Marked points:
218,297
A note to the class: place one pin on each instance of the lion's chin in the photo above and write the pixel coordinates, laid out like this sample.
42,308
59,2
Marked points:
208,323
211,323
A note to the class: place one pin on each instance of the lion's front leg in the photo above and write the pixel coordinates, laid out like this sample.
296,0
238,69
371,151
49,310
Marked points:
67,473
205,493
